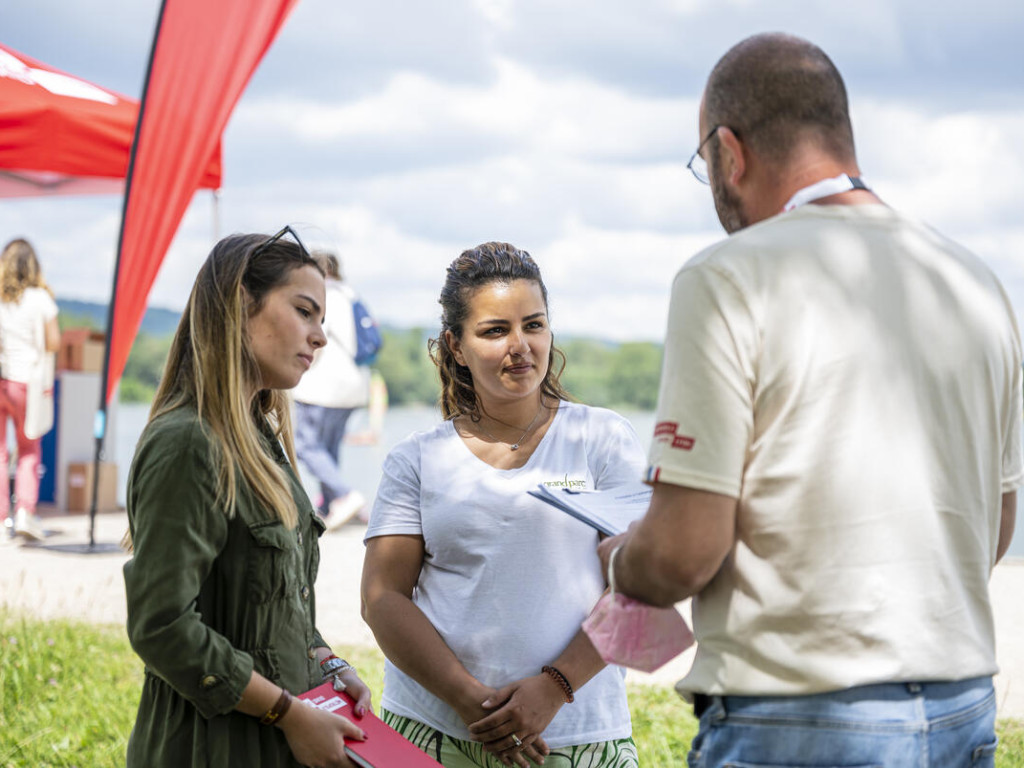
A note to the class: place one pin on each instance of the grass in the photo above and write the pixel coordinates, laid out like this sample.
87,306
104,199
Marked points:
68,694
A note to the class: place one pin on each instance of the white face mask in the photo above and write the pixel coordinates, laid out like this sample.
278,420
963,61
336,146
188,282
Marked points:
633,634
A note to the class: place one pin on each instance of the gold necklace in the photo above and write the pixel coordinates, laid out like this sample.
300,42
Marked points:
514,446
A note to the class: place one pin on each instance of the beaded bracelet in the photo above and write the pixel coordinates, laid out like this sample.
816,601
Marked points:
277,711
562,681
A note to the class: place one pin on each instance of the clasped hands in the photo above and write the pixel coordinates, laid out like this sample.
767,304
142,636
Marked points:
514,717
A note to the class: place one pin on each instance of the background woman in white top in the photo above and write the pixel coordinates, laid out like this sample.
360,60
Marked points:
474,590
28,332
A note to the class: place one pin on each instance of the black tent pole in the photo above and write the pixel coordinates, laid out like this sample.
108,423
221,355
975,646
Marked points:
100,423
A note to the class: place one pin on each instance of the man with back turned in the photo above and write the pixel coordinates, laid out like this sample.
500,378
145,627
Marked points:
837,447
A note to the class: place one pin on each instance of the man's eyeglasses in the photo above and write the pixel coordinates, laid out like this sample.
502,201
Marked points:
274,238
698,165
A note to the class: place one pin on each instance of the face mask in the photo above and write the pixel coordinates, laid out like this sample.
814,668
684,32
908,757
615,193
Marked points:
633,634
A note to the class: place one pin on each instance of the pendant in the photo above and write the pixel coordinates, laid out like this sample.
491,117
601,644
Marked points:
514,447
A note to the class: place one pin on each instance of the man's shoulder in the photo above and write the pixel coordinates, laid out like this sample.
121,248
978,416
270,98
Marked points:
803,231
727,255
750,240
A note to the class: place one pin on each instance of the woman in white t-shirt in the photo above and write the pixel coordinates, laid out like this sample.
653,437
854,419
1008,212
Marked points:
28,333
475,590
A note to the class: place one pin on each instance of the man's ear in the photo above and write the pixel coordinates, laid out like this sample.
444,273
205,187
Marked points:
734,161
455,346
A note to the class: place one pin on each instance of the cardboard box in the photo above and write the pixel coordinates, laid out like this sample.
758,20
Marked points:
80,487
81,349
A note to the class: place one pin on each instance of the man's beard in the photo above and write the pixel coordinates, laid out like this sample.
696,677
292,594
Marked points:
728,205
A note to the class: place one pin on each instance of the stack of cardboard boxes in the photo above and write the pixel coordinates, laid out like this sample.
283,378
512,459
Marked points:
81,349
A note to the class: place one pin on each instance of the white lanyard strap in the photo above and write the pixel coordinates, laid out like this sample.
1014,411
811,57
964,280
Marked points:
824,188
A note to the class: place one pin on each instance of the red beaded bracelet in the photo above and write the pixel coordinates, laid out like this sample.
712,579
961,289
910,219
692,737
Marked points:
562,681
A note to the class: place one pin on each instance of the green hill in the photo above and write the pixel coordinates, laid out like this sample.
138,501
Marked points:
156,321
598,372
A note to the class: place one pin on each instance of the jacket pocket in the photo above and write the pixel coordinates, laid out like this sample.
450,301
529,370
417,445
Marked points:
270,560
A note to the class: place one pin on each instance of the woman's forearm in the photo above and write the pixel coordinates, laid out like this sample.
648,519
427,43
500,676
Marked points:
259,696
579,662
412,644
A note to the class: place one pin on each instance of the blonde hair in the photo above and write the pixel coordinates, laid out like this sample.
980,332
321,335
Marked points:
328,263
19,269
211,367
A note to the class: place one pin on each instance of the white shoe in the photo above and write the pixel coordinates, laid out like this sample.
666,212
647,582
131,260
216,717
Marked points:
343,509
28,526
7,537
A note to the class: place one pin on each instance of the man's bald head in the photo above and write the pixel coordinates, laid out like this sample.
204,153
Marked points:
776,91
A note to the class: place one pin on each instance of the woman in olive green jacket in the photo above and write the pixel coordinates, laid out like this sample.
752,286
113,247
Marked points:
220,589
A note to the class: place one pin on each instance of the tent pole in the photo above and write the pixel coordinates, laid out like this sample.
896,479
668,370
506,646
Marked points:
216,214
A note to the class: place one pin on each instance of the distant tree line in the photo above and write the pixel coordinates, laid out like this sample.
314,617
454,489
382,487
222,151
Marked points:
622,376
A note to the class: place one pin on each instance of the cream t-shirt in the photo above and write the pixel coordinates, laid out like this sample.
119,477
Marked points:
854,379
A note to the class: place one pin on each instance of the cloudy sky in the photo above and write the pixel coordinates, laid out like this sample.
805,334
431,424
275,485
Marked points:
400,132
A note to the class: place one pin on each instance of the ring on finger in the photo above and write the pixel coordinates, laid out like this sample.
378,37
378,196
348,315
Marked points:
516,740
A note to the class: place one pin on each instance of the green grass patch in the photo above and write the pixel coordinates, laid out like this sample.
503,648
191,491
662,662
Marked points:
69,691
663,725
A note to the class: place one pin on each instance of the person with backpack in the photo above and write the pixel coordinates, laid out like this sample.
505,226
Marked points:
336,384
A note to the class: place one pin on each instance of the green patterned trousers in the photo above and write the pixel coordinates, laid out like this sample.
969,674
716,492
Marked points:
457,753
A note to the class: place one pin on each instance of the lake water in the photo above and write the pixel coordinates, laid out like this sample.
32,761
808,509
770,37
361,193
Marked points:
361,463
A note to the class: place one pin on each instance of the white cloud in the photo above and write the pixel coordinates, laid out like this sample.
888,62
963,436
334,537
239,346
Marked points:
517,111
614,284
497,12
960,170
402,134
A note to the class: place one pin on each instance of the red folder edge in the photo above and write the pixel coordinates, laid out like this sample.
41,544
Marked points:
384,746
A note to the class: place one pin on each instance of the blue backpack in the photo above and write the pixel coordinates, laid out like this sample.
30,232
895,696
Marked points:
368,338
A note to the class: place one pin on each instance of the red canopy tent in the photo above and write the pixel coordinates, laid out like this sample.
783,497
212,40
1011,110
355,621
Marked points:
60,135
202,58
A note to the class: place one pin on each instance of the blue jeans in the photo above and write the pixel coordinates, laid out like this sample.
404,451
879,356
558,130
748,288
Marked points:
895,725
318,435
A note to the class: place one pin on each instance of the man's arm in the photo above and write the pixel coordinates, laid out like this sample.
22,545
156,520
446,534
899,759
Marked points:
1006,525
677,548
